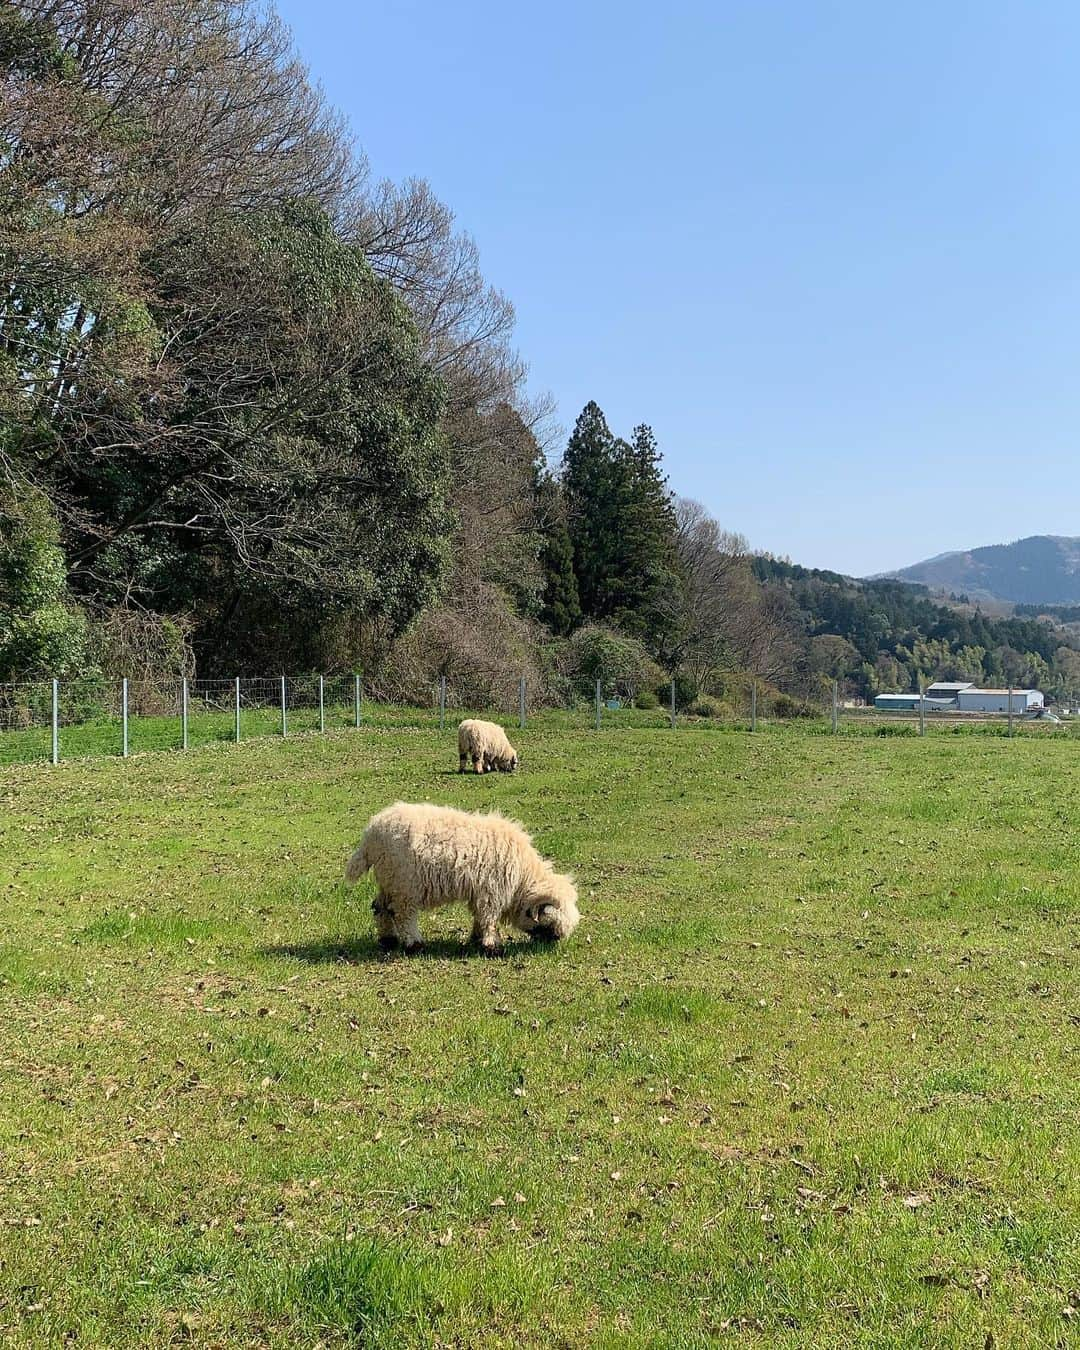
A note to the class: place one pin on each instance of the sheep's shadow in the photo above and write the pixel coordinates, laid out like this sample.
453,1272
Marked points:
366,951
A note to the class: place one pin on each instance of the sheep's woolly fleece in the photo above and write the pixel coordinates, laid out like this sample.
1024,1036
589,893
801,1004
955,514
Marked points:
486,746
426,856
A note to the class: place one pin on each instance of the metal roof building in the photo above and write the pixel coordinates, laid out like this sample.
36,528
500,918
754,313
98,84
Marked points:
910,702
997,700
948,688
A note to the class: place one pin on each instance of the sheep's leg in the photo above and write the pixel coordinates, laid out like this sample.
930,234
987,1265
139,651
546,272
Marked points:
478,763
385,927
462,761
485,935
408,928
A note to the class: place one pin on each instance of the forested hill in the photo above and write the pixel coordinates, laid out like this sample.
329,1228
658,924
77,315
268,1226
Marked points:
882,635
1043,569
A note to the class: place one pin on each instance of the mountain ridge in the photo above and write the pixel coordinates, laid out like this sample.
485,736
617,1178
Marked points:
1040,569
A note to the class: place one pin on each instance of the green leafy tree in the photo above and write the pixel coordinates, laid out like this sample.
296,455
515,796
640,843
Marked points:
41,632
289,466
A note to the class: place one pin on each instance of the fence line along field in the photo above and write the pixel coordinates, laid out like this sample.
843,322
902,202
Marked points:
806,1074
88,717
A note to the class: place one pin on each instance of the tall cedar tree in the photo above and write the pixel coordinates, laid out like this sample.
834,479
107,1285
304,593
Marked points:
647,537
560,604
622,526
593,487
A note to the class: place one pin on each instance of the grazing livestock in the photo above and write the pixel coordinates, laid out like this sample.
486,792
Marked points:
425,856
484,745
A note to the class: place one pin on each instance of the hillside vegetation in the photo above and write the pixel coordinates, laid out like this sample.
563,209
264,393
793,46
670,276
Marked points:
1043,569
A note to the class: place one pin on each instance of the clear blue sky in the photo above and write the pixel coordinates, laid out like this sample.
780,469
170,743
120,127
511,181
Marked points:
830,251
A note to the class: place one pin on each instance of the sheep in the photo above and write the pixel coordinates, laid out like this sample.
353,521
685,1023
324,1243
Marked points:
425,856
486,746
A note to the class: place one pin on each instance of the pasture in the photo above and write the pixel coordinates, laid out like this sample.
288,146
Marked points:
807,1074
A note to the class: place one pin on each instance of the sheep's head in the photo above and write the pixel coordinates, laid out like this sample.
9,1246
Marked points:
550,911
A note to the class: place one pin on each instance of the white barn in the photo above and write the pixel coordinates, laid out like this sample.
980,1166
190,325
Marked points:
997,700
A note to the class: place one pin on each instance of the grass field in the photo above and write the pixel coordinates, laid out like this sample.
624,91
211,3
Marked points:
807,1075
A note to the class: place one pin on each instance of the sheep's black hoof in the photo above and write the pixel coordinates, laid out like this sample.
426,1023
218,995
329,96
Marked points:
388,945
492,949
414,949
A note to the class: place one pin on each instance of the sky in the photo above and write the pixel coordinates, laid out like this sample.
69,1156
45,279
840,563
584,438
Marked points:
829,251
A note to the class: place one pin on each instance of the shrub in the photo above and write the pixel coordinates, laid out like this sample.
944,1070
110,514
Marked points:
784,706
620,663
646,701
686,691
480,645
706,706
894,729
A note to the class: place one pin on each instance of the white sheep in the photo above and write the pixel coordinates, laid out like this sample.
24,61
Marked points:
425,856
486,746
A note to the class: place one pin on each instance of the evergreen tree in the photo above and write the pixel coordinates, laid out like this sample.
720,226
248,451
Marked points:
622,526
649,563
560,605
594,485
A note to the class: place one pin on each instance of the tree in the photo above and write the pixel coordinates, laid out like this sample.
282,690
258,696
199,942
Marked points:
622,526
594,485
493,473
648,559
41,632
285,458
560,605
709,597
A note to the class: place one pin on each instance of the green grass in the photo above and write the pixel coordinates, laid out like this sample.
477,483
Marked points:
807,1074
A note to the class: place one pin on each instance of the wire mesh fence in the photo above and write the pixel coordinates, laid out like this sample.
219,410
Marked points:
89,716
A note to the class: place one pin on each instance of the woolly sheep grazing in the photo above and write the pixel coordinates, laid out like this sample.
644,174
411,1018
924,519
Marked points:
426,856
485,745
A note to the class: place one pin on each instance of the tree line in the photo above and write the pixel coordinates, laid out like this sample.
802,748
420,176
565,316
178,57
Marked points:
260,412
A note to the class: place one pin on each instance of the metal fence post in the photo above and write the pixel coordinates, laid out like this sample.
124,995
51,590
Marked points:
1010,710
124,717
356,697
322,703
753,705
236,708
673,702
56,721
835,706
284,719
922,709
598,705
521,702
183,714
442,702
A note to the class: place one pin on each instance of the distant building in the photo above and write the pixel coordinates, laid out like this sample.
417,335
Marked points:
910,703
948,689
956,696
997,700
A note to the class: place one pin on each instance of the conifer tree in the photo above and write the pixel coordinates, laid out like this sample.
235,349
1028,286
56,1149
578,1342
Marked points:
622,526
647,529
594,485
560,605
